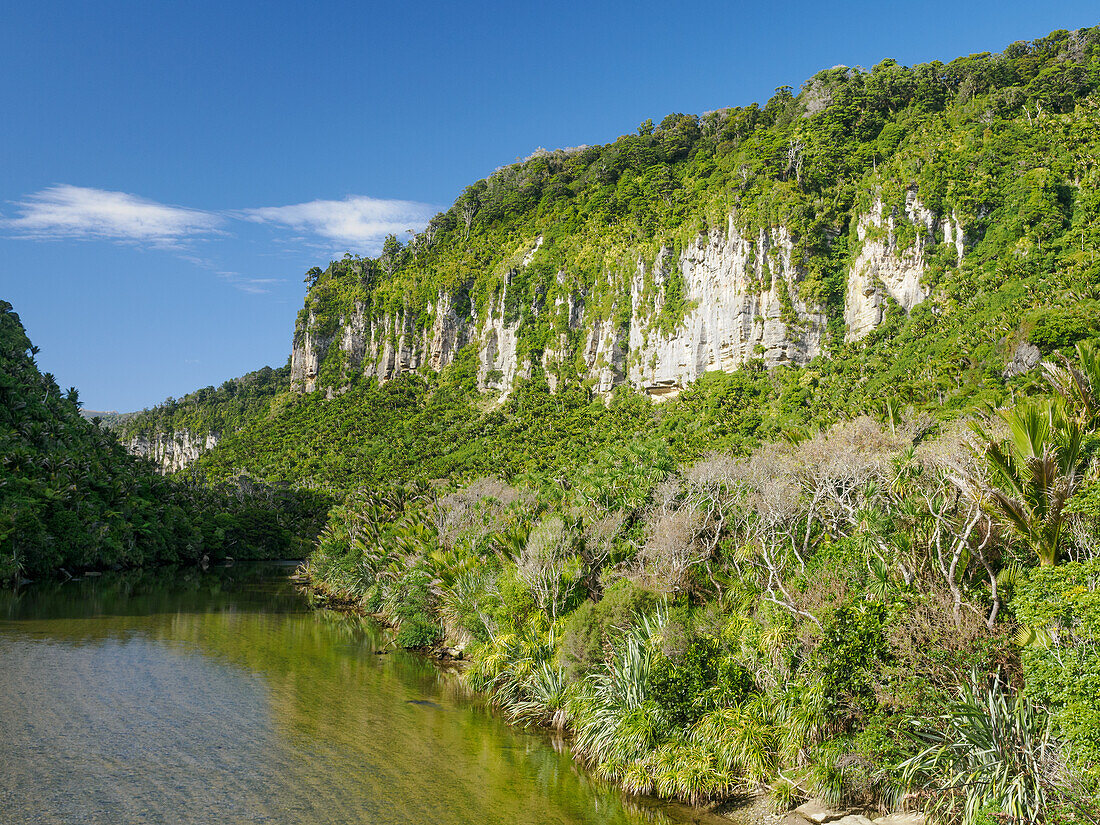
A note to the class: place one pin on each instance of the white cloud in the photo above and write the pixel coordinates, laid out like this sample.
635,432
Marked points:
75,212
357,223
255,286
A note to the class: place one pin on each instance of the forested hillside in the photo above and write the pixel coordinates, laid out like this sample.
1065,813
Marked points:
967,186
852,554
965,189
177,431
71,497
210,410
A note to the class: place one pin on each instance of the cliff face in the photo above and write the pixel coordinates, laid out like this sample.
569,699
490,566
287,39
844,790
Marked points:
737,298
381,347
171,451
744,302
883,269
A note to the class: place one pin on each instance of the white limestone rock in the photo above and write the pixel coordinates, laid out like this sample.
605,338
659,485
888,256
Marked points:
912,818
1025,358
172,451
745,303
882,269
817,812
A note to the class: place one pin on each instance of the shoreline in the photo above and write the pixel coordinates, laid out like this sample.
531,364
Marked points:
752,810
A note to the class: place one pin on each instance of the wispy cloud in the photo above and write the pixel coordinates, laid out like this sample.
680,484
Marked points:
357,223
255,286
76,212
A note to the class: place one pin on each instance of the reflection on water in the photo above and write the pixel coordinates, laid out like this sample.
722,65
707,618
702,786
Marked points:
183,697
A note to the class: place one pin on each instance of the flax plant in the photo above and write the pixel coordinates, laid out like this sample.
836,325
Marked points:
992,747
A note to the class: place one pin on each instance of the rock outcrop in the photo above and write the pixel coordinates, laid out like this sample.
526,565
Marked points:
380,347
815,812
737,298
743,302
171,451
1025,358
883,269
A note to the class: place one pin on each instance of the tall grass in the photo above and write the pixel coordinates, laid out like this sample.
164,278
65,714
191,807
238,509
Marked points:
992,748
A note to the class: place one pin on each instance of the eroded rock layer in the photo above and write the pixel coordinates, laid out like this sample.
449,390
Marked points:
739,297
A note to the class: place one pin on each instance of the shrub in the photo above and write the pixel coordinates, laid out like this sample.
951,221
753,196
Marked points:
700,680
1062,327
1060,609
853,645
409,605
418,630
991,747
589,629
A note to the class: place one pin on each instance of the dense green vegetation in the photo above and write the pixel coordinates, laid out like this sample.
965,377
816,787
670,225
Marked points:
209,410
71,497
869,612
867,577
437,426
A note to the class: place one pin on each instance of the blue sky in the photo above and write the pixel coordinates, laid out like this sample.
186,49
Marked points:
170,170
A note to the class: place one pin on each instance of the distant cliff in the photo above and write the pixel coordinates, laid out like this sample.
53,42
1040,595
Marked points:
176,432
869,228
762,235
741,298
171,451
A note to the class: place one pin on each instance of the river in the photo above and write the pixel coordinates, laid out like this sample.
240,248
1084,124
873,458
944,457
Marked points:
177,697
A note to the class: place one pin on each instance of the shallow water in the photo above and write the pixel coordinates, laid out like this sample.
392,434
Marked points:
184,697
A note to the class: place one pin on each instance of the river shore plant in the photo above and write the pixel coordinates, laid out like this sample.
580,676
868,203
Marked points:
826,617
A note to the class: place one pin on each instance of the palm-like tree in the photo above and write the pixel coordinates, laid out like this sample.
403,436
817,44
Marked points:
1078,384
1033,473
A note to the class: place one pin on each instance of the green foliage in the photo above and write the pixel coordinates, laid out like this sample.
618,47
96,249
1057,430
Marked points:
1034,472
699,680
1062,327
991,750
1059,608
622,476
71,497
853,647
409,603
588,630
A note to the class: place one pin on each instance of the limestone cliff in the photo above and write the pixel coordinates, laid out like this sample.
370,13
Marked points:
883,269
744,302
171,451
737,297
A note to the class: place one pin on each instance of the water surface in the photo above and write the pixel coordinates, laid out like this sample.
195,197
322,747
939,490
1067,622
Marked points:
221,697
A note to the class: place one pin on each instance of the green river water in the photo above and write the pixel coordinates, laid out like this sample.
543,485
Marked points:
222,697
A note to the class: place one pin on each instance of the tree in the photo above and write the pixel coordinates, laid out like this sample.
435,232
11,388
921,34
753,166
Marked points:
392,253
1032,474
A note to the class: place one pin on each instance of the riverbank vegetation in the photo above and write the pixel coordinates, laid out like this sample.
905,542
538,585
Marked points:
868,615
